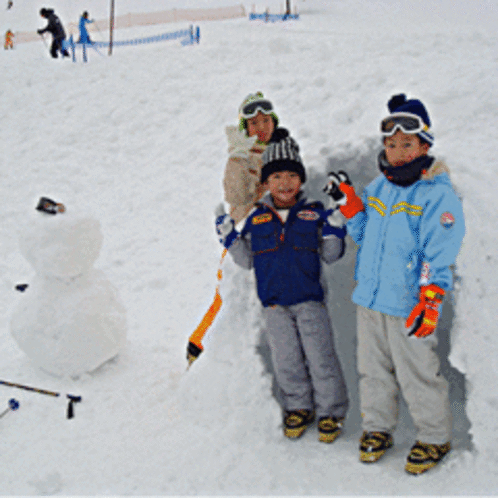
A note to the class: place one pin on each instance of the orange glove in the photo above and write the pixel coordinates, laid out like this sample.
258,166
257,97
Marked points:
424,317
353,204
343,195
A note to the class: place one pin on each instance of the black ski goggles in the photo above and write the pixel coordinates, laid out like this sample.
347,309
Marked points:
407,123
252,108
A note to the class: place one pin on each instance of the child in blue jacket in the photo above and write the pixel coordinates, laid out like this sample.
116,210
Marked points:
283,239
84,36
409,227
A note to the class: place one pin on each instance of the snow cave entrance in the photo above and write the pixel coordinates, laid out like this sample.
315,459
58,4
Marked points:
360,164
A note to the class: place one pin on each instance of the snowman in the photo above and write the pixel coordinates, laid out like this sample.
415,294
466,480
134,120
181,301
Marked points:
69,320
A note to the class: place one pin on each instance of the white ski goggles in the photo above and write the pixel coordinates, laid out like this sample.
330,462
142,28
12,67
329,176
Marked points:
250,109
404,121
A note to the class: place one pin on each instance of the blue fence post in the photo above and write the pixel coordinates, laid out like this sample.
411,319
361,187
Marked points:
73,51
198,34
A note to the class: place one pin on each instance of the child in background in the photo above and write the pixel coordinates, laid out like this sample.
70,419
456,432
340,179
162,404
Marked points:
283,239
84,36
246,144
9,40
409,226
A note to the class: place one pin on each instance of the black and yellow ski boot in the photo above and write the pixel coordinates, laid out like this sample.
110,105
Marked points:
329,428
296,422
424,456
373,445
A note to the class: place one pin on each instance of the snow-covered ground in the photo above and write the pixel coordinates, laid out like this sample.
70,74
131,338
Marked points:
138,139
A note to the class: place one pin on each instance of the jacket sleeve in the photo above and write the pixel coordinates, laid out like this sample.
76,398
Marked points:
356,225
241,190
332,248
442,230
240,250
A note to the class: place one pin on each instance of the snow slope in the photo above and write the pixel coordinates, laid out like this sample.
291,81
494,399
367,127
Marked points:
138,139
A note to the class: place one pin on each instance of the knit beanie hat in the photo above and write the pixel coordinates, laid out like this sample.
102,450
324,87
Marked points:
255,101
400,104
282,154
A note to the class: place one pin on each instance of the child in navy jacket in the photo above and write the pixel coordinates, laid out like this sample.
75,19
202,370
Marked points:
283,239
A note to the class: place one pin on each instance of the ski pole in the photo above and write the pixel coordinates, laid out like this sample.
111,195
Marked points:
71,397
43,38
13,405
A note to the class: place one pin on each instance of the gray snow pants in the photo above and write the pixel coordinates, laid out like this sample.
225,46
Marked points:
390,361
306,366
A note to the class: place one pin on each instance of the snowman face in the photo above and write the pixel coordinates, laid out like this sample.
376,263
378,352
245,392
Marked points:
62,246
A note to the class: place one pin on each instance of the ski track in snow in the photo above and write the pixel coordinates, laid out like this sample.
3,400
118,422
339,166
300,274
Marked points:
138,139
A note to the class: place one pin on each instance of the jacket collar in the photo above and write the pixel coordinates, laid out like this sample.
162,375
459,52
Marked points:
405,175
267,201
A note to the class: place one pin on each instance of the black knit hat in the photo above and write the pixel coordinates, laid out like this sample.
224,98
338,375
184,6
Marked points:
282,154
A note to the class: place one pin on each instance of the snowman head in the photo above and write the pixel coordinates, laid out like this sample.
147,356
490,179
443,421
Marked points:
64,245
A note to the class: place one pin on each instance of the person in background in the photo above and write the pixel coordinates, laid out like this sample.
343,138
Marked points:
84,36
9,40
54,26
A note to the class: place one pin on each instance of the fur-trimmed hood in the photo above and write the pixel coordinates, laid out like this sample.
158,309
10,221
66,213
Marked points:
438,167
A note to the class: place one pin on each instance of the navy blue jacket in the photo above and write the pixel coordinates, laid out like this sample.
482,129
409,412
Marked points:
286,256
54,26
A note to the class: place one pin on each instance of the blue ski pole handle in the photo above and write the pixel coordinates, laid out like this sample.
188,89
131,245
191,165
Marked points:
13,404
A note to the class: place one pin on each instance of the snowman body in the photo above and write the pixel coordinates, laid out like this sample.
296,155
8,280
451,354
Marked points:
69,321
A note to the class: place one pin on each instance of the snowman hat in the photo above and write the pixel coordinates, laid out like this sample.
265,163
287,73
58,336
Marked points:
48,206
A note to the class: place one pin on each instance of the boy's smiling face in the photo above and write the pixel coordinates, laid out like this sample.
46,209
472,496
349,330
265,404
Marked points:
284,187
402,148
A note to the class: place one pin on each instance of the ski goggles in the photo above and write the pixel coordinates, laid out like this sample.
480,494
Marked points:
250,109
406,122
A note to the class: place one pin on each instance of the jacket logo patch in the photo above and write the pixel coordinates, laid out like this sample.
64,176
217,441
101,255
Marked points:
308,215
262,218
447,220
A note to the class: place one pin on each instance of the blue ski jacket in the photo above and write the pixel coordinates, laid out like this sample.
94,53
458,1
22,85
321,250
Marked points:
84,36
408,236
286,256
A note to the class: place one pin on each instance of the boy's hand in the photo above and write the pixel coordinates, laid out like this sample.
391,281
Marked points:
424,317
225,227
239,144
338,197
343,194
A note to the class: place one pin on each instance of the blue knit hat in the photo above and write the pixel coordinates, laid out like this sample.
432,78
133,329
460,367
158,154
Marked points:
400,104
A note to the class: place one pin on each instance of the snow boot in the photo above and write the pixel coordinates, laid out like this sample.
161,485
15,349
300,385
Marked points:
296,422
373,445
329,428
424,456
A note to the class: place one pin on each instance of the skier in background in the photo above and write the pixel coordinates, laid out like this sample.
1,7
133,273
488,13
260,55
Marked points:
84,36
9,40
55,27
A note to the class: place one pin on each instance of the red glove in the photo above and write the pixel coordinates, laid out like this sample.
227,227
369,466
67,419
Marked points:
353,203
424,317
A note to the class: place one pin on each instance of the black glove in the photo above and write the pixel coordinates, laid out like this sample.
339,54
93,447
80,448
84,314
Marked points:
332,187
